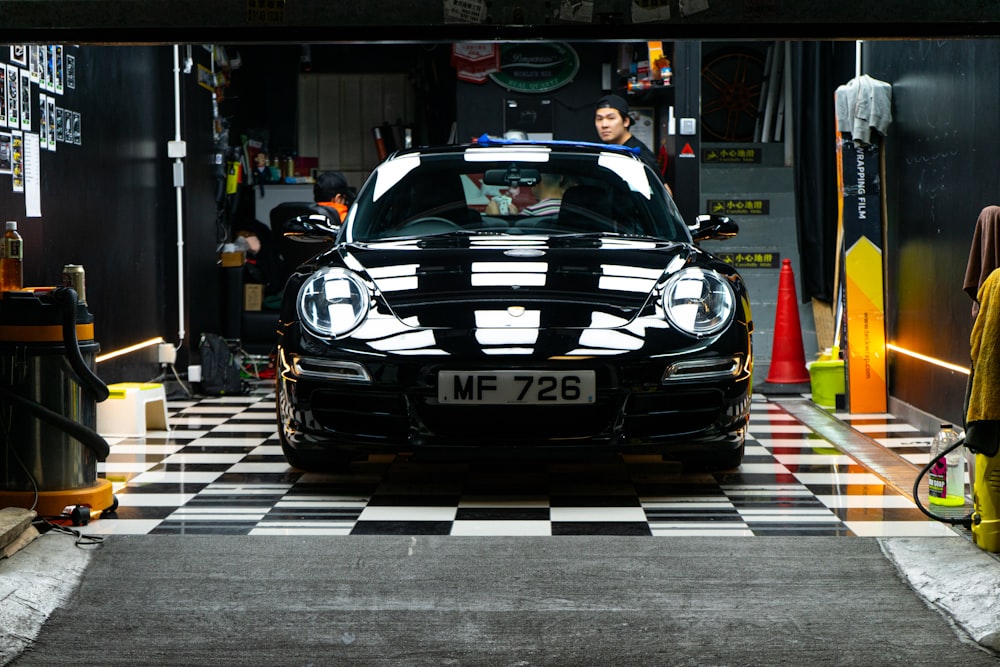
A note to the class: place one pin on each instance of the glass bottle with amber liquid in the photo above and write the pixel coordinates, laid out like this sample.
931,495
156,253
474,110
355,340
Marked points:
11,254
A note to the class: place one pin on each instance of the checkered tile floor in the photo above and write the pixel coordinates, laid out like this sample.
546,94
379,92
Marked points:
219,470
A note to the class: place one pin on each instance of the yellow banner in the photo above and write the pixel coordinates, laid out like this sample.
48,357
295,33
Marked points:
866,363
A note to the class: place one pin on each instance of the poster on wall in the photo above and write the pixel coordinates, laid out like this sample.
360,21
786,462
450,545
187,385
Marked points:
642,124
13,97
75,131
6,157
3,95
43,122
464,11
33,66
48,73
19,55
32,177
70,72
17,160
60,133
57,64
51,102
25,97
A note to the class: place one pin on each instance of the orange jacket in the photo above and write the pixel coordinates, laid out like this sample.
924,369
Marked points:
337,206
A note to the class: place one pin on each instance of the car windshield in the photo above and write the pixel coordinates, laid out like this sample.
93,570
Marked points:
508,190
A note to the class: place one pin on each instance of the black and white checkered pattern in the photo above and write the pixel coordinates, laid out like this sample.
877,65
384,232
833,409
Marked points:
219,470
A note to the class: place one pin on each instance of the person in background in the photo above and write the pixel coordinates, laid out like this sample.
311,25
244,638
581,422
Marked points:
548,191
331,190
613,124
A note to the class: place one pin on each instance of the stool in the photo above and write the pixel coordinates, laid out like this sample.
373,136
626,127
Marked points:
131,408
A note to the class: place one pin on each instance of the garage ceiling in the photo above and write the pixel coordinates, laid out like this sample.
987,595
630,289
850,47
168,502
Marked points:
348,21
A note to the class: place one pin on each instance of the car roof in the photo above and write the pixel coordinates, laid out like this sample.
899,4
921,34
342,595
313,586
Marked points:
488,141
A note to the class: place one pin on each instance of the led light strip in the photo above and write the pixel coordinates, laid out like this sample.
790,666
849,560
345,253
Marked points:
930,360
131,348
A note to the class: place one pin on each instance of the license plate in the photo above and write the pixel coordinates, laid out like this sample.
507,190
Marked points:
516,387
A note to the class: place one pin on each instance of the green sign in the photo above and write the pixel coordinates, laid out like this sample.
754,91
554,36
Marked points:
751,259
739,206
536,67
730,155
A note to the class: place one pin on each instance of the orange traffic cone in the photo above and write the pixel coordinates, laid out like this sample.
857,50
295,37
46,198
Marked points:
788,357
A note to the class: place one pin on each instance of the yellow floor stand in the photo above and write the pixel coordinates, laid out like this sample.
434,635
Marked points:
99,497
132,408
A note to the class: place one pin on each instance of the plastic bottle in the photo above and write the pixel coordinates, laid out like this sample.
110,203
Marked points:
946,479
11,254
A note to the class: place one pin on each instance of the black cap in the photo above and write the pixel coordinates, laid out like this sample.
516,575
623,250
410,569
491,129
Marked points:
614,102
328,185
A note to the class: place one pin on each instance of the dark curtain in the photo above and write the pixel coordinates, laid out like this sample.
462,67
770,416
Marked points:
815,70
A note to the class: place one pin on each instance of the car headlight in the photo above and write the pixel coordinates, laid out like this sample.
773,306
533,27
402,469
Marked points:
333,302
698,301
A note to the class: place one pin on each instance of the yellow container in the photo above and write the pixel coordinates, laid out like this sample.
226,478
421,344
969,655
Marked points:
826,378
986,503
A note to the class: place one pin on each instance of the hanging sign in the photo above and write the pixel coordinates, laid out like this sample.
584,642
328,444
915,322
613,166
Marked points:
751,260
536,67
739,206
861,219
730,156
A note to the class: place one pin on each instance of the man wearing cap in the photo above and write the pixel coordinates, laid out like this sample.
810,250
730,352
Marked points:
613,122
331,190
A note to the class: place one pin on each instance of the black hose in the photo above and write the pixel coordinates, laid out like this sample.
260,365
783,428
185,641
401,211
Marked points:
67,298
87,437
965,521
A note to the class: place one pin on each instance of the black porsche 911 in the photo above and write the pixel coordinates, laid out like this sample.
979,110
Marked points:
514,298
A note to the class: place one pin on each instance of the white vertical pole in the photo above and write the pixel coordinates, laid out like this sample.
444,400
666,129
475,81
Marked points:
179,190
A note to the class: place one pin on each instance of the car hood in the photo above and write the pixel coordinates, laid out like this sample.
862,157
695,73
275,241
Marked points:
583,282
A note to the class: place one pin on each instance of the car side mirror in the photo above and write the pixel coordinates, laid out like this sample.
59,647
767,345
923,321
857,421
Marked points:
311,228
713,227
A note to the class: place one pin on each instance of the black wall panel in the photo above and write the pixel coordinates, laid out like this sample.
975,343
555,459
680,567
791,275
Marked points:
109,203
941,170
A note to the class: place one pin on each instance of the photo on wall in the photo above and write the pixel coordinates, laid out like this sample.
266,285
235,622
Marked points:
19,54
6,156
57,64
51,101
43,122
48,71
13,97
25,100
3,95
33,62
17,160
